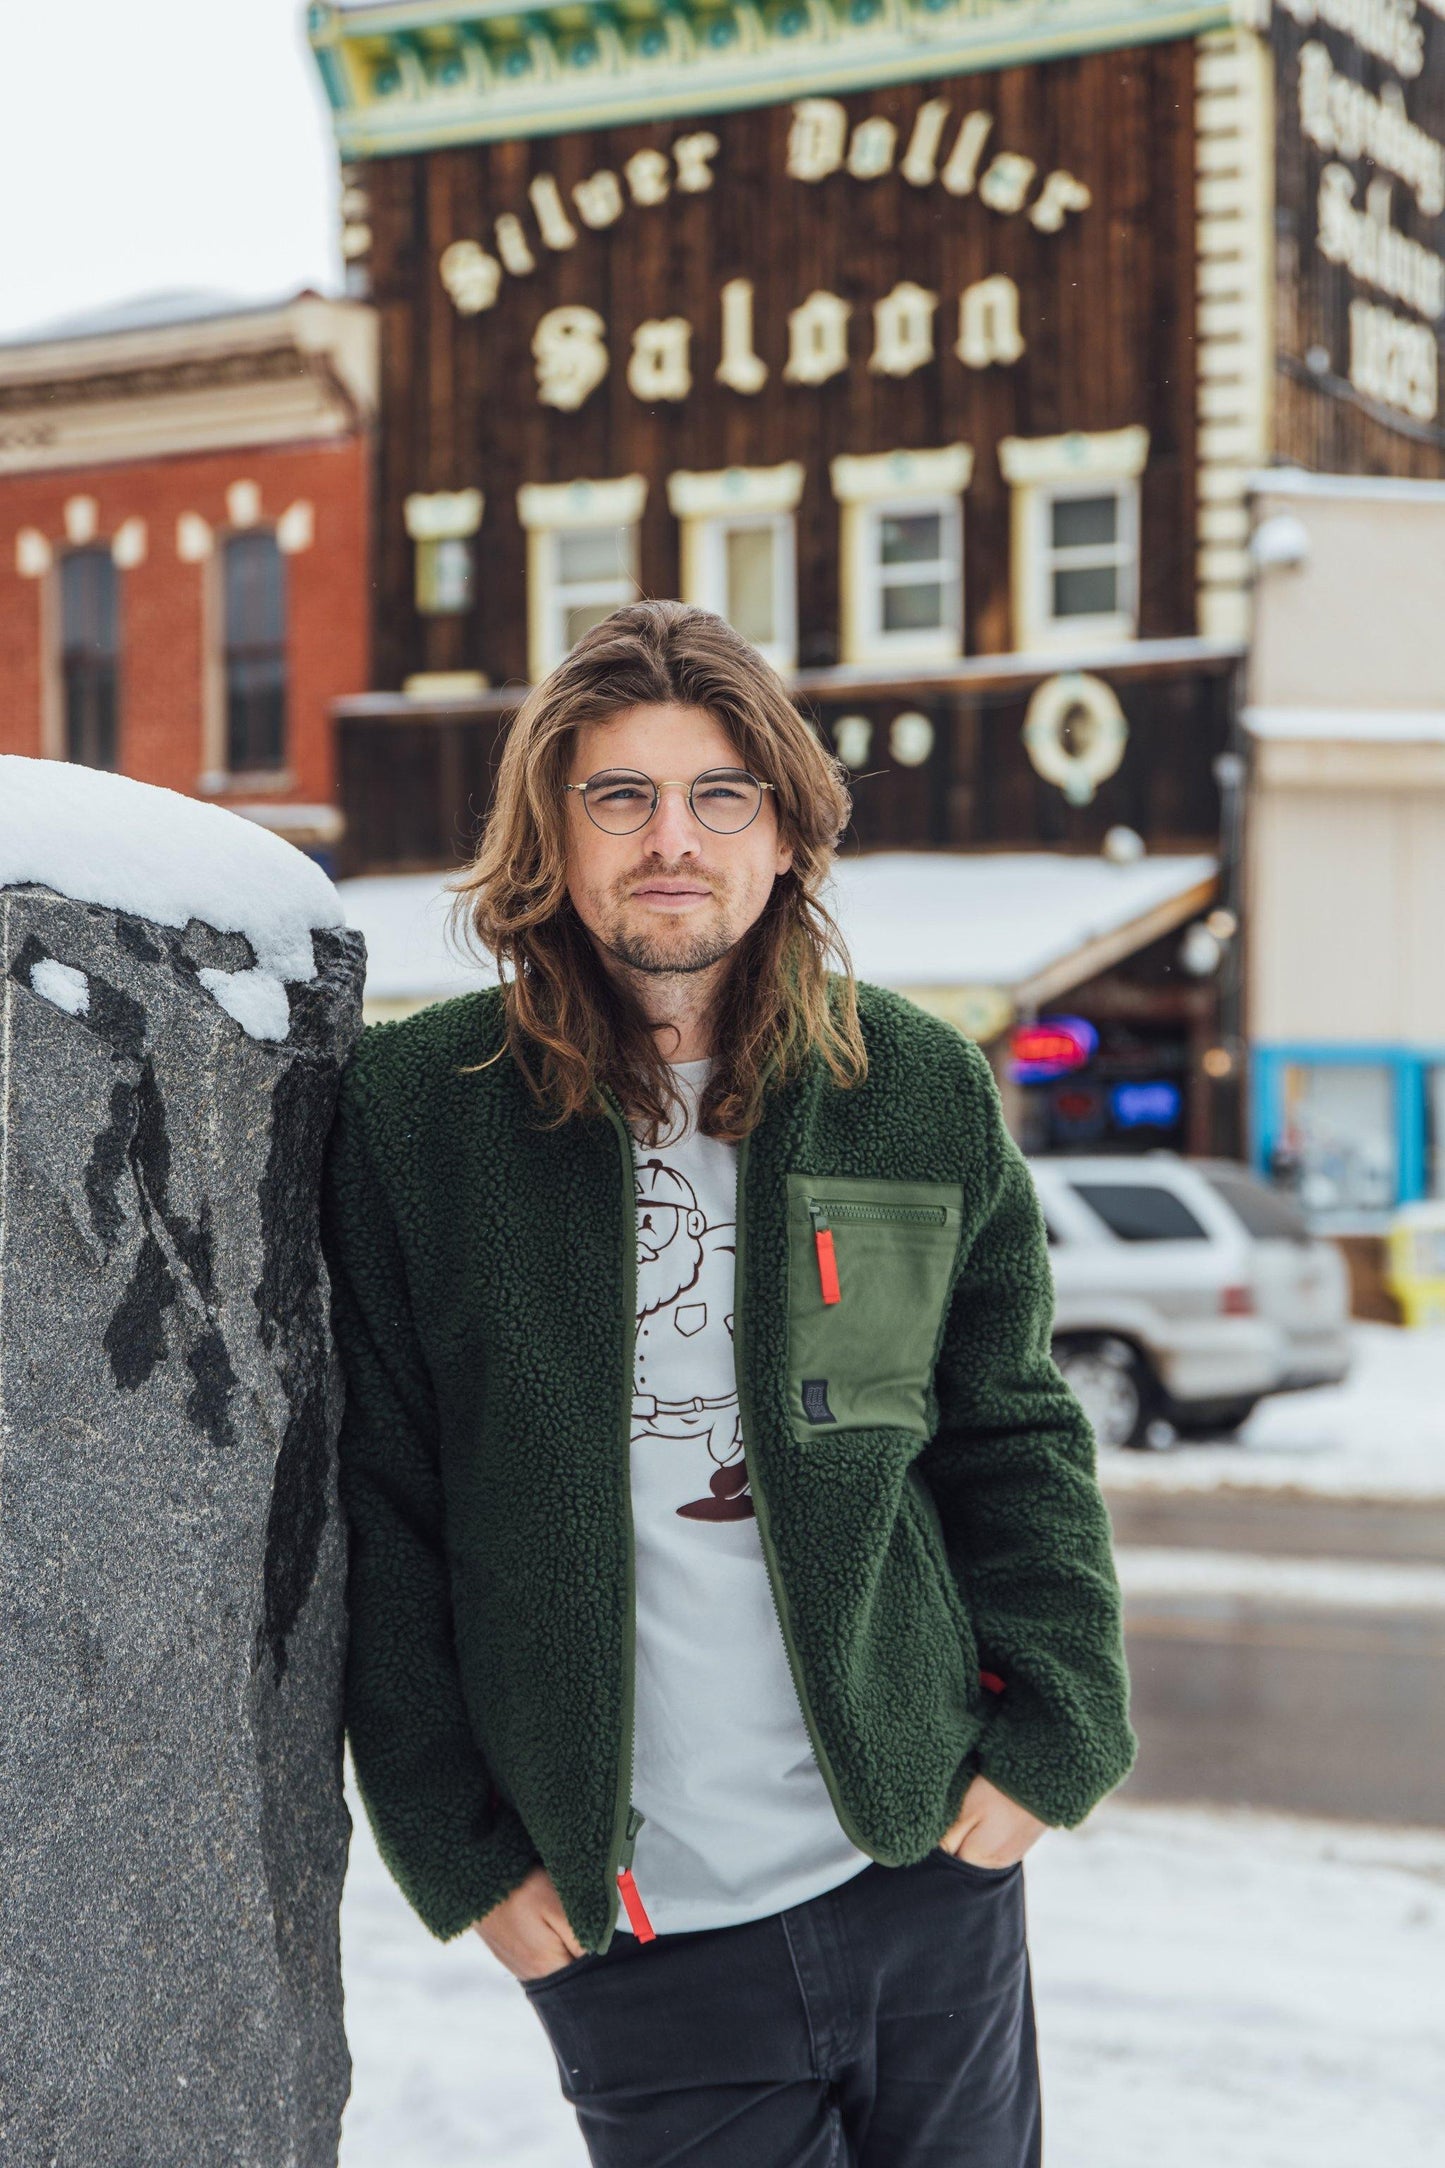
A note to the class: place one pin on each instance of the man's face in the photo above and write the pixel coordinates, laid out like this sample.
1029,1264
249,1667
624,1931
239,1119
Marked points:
673,896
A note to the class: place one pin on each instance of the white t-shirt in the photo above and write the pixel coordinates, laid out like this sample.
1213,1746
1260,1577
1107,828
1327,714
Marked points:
738,1823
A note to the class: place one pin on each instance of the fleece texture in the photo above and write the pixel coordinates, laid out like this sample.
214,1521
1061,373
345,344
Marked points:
480,1271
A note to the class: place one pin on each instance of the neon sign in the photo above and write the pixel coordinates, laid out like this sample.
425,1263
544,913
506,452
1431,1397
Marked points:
1053,1048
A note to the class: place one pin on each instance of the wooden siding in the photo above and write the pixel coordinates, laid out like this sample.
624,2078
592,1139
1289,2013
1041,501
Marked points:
1321,421
1106,311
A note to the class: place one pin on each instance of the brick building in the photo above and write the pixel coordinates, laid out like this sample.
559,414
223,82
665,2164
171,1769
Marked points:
184,539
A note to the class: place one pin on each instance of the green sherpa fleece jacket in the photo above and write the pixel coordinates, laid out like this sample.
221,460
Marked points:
924,1481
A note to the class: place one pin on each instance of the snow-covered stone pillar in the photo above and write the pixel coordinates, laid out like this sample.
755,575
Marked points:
177,994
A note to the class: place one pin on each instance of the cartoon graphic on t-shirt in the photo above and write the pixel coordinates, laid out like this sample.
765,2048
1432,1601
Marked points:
685,1281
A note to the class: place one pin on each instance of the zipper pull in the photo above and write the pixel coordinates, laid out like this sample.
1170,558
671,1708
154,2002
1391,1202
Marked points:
642,1926
827,1256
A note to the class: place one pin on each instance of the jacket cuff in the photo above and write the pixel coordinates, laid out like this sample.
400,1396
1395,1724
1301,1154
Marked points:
450,1895
1059,1781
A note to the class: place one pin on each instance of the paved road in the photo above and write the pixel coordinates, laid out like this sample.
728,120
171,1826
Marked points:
1286,1651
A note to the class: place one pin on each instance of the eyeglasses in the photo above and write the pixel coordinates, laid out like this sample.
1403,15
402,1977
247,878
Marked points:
622,800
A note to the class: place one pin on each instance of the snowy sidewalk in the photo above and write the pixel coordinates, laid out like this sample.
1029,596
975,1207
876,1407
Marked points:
1215,1988
1381,1434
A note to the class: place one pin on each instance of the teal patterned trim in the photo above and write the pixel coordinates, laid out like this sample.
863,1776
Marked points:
409,75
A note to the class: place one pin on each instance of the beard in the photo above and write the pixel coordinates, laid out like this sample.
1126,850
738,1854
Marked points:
657,955
668,951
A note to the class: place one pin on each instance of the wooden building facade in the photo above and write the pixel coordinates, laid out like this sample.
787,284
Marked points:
877,329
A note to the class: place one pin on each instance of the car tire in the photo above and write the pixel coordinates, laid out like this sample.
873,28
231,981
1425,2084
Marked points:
1222,1424
1114,1384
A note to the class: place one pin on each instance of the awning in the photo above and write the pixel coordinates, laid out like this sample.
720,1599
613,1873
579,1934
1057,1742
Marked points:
1001,931
972,936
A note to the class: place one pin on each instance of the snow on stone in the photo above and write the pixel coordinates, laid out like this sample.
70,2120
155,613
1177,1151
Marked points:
107,839
68,988
255,999
1215,1987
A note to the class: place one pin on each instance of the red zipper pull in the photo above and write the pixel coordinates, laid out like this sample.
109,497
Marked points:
992,1681
642,1926
827,1258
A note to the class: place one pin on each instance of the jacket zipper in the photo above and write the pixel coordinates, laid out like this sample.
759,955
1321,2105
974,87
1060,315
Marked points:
824,1213
626,1821
760,1504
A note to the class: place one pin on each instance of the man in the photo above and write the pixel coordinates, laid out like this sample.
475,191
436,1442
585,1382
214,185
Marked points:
732,1601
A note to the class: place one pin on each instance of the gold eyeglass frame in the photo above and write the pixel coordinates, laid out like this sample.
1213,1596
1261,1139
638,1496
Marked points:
672,783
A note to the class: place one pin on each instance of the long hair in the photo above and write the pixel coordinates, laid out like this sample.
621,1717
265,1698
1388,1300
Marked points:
570,1026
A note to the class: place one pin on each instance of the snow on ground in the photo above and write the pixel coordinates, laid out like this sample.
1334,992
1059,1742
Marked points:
409,957
1381,1434
107,839
1216,1988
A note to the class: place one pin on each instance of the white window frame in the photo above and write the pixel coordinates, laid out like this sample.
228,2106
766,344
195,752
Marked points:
1045,471
549,510
710,506
869,488
436,521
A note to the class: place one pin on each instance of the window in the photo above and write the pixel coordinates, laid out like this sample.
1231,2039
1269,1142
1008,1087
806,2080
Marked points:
1141,1212
1075,554
582,559
254,600
90,651
1435,1130
1266,1214
901,557
1338,1138
442,525
739,550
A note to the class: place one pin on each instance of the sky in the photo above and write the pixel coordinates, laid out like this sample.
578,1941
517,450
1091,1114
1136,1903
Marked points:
151,145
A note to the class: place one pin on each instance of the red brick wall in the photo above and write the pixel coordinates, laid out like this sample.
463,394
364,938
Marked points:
160,736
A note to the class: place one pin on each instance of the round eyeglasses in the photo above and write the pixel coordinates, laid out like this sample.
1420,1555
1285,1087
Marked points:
622,800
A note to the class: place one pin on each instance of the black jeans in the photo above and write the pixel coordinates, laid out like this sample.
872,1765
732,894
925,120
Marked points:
888,2023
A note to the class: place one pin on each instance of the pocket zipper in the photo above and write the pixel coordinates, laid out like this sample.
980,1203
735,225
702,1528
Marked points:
636,1911
822,1214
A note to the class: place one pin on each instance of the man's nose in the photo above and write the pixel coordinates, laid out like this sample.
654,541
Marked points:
673,831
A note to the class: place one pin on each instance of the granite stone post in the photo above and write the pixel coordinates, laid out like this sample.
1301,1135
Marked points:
173,1834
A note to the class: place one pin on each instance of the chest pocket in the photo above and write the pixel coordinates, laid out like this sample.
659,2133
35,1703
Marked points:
870,1267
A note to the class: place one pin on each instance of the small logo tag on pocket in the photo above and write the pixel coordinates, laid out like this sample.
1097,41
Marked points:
815,1401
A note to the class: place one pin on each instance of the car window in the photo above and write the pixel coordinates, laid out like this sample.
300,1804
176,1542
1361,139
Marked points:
1266,1213
1142,1212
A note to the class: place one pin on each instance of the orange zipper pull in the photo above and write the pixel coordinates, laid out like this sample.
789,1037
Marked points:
642,1926
827,1258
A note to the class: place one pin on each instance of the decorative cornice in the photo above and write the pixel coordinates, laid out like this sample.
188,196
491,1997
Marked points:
211,372
865,477
615,501
692,495
1116,455
409,75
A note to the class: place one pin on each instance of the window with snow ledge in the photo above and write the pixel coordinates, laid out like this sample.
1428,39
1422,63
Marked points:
901,553
582,559
1075,537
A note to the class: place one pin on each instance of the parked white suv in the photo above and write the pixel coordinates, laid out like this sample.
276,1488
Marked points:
1185,1290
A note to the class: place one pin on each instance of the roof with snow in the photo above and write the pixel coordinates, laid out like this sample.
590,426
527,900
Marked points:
1024,925
150,312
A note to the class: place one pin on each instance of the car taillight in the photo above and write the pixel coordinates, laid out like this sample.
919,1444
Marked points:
1237,1302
